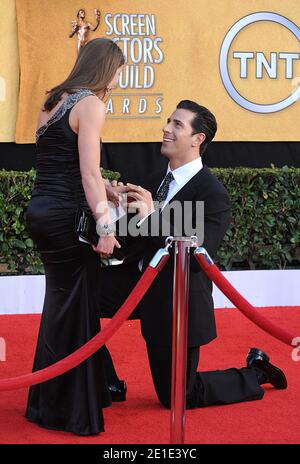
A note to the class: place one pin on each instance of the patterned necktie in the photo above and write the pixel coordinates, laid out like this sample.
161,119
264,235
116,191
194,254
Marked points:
163,191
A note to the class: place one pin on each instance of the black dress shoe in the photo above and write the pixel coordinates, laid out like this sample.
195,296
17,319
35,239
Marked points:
118,391
271,374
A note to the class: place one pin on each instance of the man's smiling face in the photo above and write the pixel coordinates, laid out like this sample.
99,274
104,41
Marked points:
178,134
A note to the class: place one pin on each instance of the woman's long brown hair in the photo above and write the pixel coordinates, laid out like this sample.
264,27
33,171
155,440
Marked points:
94,69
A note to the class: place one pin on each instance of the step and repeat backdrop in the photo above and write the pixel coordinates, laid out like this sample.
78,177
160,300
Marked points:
240,59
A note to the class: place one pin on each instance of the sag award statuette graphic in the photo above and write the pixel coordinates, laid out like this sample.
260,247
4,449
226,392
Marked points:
82,27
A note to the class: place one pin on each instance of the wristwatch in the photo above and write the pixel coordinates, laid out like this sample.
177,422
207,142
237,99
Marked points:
105,229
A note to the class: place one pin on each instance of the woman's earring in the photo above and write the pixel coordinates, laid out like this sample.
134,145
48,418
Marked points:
107,94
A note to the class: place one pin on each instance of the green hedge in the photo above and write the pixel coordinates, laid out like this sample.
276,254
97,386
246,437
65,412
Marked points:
264,233
17,253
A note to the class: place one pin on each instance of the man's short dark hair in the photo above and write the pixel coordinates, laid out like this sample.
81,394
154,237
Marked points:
204,121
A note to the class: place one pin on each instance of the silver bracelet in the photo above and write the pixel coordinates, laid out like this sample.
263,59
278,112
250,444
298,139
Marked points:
105,229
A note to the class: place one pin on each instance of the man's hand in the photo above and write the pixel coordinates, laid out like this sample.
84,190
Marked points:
142,200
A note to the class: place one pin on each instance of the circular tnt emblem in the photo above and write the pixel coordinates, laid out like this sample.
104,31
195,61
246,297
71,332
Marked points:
255,66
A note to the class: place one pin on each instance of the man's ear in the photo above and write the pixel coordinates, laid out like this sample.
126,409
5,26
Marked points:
198,139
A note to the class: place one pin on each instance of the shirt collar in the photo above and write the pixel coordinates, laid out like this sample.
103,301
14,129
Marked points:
187,171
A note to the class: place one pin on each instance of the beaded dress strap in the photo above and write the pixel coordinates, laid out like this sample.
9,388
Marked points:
66,105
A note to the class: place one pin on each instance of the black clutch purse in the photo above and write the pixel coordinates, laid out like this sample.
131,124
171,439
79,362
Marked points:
85,227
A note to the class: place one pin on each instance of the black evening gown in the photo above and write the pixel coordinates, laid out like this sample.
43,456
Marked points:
73,401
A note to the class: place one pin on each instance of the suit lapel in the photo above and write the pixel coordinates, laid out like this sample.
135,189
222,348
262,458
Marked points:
195,184
155,181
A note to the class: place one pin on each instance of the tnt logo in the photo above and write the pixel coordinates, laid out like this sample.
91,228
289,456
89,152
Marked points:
269,65
2,349
260,62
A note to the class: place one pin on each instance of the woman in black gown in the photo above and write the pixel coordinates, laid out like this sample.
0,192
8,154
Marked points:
68,176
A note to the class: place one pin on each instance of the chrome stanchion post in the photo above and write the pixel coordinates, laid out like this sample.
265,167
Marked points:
180,332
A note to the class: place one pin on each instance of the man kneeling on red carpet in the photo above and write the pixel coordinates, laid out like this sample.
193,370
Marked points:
186,135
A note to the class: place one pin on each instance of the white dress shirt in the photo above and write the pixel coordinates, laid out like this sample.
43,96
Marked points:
182,176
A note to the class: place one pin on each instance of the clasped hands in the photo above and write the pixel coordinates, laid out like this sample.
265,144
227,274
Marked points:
136,197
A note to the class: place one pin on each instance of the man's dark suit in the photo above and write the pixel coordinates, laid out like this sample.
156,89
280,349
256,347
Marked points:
202,187
206,388
155,308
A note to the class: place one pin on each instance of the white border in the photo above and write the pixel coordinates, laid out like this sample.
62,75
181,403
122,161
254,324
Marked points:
25,294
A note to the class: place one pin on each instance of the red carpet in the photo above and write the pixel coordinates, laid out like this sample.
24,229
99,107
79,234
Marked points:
141,419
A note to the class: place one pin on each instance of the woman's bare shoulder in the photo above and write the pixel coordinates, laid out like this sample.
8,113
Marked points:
91,101
89,108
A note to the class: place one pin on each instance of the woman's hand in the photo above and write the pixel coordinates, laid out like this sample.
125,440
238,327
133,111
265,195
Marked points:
106,245
113,191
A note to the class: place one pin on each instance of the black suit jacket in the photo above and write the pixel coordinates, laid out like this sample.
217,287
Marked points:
155,309
156,306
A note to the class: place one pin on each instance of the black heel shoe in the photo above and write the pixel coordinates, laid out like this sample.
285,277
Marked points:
118,391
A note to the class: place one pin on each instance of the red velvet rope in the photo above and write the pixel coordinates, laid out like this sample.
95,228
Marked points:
85,351
241,303
92,345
